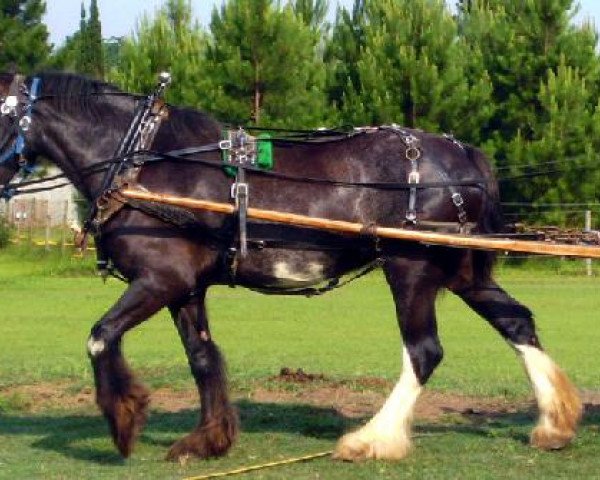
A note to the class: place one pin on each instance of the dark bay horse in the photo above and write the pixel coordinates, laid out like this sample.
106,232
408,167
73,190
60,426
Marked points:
77,122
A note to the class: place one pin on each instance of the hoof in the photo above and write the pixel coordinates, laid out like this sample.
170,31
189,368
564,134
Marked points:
197,446
189,446
546,438
126,417
354,448
213,440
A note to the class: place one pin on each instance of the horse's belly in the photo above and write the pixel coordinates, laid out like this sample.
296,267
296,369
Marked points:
290,275
286,269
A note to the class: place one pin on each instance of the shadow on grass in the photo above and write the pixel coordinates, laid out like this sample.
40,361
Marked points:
71,435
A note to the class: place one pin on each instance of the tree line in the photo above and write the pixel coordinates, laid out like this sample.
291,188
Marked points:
518,78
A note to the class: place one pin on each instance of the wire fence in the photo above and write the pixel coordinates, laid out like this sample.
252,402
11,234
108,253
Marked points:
53,224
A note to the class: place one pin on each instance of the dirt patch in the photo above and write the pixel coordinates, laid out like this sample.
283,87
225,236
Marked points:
355,398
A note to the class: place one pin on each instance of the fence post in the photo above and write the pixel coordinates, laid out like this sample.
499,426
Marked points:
32,219
65,226
588,227
47,233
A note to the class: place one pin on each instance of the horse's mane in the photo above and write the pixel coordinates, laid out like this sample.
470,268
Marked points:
72,92
80,94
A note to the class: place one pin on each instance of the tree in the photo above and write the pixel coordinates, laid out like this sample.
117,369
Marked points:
313,13
264,65
92,44
84,51
561,158
343,51
410,68
171,41
23,37
544,71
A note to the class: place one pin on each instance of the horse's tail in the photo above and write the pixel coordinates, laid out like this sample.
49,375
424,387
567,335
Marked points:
490,217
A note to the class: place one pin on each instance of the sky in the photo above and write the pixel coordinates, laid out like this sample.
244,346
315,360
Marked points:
119,17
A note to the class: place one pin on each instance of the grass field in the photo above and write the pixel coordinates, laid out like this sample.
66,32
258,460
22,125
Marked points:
48,305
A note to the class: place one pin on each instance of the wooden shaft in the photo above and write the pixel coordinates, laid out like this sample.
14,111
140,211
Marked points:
431,238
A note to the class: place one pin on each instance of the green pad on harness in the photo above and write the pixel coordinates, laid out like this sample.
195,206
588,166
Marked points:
255,151
264,157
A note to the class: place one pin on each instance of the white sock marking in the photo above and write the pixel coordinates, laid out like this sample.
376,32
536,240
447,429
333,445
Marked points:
95,347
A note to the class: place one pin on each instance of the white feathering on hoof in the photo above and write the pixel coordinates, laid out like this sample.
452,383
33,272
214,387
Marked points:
387,435
558,400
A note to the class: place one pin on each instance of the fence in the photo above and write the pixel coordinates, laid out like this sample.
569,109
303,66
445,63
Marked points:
41,221
50,222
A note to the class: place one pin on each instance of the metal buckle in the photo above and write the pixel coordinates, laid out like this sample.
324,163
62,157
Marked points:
412,153
414,177
239,190
9,105
457,199
225,144
25,123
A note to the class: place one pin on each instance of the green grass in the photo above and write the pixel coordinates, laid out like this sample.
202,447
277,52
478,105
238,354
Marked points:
47,314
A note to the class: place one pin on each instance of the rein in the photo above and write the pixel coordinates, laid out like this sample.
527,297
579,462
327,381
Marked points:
182,155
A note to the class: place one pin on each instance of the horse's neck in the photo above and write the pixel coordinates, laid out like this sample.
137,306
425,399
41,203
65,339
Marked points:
76,146
78,143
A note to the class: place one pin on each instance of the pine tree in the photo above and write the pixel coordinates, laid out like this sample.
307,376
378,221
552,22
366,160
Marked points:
313,13
544,71
23,37
343,51
411,68
83,52
264,66
171,41
94,46
81,48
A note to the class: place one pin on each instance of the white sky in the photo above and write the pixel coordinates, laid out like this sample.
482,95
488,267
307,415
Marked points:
119,17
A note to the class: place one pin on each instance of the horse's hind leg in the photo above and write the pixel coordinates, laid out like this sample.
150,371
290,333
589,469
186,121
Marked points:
217,428
414,285
121,398
558,400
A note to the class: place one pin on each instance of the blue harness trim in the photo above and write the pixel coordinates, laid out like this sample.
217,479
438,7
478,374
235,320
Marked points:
19,145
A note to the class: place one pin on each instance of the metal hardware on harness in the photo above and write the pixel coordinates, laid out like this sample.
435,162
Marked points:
146,120
10,107
240,191
225,144
457,200
238,148
451,138
413,153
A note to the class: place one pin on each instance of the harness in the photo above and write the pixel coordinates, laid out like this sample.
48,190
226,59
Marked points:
9,107
146,121
148,115
241,153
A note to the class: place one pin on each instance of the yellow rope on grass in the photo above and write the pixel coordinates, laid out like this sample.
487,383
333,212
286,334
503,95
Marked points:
261,467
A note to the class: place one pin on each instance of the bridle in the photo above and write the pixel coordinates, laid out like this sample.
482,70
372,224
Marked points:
17,106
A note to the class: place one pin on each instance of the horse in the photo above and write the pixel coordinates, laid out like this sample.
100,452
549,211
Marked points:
76,123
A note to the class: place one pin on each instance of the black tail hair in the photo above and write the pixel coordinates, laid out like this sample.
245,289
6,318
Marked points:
490,219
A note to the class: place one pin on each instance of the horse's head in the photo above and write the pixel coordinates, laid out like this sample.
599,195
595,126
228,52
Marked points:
17,95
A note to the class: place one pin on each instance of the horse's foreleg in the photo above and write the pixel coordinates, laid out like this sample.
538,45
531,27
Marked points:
218,426
388,434
120,397
558,400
